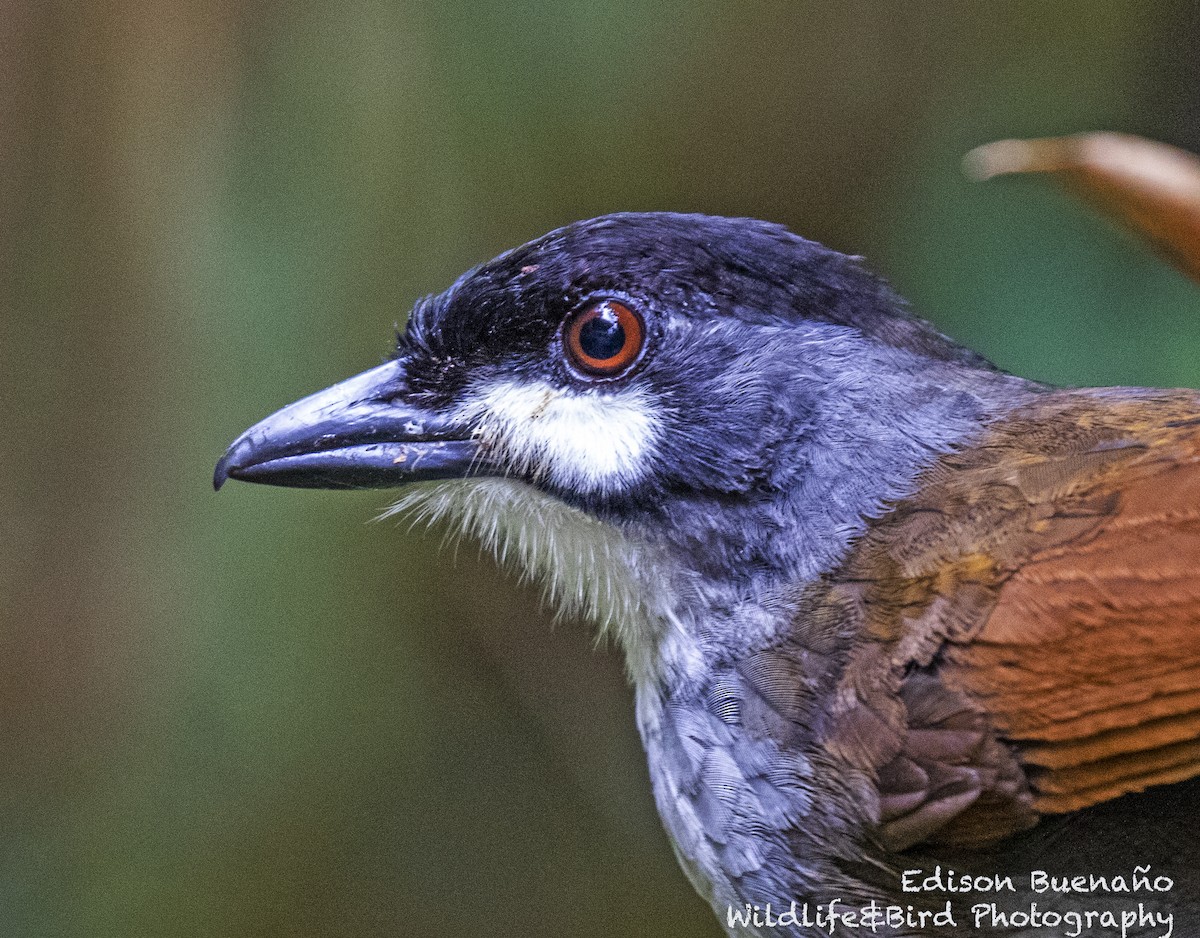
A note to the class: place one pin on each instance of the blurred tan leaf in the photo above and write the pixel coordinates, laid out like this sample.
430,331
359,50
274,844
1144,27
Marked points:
1150,187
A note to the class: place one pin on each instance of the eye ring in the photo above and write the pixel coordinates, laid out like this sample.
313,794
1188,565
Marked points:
603,339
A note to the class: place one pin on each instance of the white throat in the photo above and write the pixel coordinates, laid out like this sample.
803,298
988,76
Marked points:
588,569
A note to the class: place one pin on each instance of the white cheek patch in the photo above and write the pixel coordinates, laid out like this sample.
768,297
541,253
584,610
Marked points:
592,442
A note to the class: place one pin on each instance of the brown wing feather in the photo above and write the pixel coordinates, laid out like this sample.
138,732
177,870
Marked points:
1090,661
1044,590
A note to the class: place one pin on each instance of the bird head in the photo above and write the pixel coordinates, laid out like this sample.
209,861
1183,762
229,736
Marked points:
614,364
663,418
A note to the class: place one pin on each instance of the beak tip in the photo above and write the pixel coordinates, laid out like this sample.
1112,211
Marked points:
229,464
220,474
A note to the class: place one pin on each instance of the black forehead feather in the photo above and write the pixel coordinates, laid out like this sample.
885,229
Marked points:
692,265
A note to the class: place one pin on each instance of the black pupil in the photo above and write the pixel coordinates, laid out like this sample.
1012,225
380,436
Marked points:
602,337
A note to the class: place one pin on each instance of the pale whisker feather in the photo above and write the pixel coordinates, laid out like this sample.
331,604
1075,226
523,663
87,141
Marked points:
587,569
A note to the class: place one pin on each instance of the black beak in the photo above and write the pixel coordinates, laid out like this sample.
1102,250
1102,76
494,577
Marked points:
359,434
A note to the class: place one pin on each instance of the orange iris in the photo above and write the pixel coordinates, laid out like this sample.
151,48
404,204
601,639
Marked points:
604,339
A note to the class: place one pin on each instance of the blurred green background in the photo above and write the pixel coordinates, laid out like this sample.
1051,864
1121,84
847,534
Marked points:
257,714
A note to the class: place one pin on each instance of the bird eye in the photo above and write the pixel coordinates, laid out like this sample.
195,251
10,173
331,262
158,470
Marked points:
604,339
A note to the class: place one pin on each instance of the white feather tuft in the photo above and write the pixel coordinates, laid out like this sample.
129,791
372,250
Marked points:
587,568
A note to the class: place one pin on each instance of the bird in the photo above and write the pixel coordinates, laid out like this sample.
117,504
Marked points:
892,615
